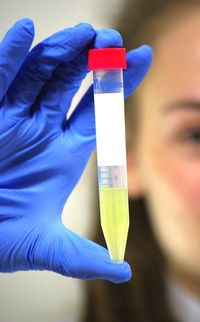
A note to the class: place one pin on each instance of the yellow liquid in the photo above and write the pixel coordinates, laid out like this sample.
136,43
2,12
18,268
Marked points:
115,220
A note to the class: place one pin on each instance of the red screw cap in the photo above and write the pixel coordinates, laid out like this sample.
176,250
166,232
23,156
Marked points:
107,58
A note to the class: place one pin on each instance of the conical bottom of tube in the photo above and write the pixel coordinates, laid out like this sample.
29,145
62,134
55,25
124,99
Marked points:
115,220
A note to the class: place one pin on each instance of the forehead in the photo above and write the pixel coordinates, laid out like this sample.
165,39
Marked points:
176,66
181,41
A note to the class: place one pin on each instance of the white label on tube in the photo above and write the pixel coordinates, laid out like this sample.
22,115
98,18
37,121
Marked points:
110,129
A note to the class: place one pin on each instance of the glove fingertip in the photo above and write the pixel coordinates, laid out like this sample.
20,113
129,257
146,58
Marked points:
84,25
87,30
27,25
143,53
147,52
121,273
108,38
139,61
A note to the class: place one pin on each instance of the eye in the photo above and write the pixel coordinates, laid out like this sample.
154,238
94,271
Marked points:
193,137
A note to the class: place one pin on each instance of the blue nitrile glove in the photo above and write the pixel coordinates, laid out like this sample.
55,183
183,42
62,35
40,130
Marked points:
42,156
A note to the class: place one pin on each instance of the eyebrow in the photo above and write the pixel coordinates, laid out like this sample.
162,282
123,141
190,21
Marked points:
182,105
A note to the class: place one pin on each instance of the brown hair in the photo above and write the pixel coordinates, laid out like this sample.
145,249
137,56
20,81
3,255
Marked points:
143,298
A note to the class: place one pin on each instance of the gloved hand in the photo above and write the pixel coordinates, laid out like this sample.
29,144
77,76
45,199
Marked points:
42,155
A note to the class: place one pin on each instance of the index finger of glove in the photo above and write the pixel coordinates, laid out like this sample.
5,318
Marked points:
64,46
13,51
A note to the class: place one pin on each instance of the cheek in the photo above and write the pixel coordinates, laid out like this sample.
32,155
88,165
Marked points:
174,200
183,179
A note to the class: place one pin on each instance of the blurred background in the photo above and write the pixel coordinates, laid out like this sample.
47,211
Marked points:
45,296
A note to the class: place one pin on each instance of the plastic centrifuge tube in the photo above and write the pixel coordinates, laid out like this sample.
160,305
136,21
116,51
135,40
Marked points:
107,65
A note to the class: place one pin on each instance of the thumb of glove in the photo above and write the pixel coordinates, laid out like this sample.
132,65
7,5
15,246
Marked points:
69,254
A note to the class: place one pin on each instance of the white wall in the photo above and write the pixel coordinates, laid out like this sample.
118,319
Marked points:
46,296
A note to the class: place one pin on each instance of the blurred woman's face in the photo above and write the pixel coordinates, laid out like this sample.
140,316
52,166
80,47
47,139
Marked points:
169,142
